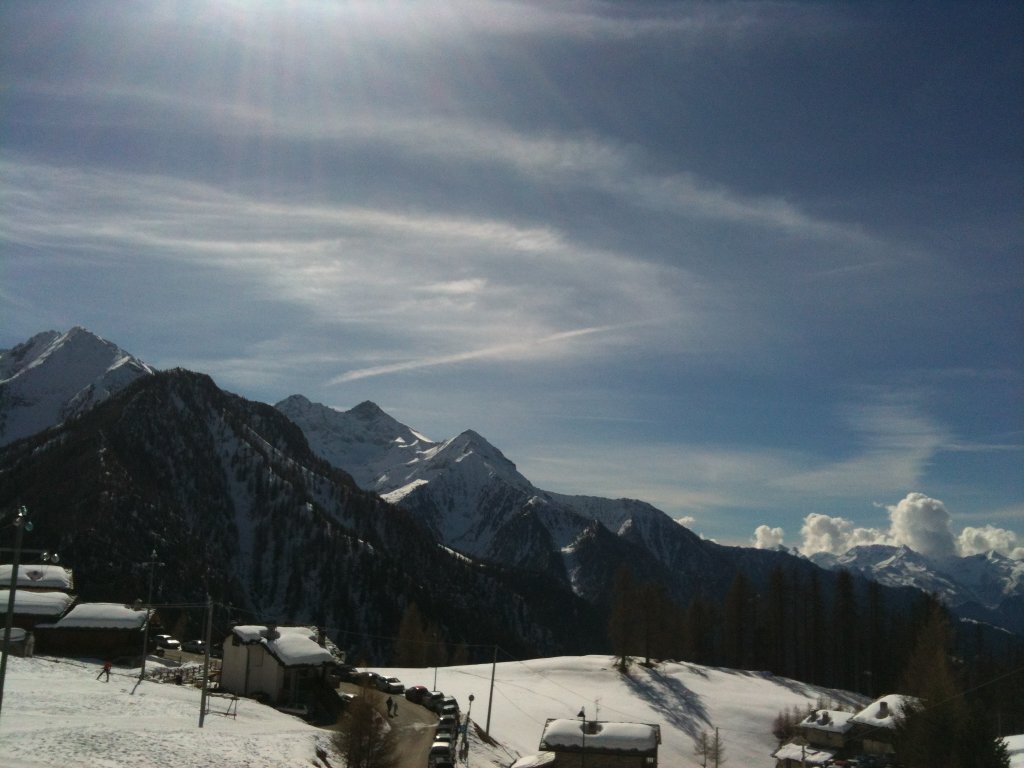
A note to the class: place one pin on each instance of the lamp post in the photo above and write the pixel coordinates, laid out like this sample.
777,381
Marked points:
465,728
21,524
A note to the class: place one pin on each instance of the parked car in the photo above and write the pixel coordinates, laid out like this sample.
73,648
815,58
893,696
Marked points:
440,752
346,673
367,678
167,642
416,693
432,701
194,646
449,706
346,698
449,722
390,685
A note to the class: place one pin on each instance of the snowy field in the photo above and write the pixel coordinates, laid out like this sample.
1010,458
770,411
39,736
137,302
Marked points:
683,699
56,713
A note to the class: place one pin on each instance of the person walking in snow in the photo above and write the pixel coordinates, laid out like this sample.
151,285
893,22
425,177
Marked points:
390,703
105,671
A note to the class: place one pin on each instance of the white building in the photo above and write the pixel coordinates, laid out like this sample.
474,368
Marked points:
284,665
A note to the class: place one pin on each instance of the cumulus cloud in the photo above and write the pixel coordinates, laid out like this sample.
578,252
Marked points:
766,537
923,524
916,521
835,535
976,541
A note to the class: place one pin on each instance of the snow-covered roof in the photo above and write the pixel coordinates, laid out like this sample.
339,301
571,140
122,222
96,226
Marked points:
1015,746
535,761
881,712
798,752
102,616
291,646
830,720
38,576
619,737
31,603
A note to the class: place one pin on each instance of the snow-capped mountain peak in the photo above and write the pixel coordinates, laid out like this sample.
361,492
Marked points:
56,376
364,441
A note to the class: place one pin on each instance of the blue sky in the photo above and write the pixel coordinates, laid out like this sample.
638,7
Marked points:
759,264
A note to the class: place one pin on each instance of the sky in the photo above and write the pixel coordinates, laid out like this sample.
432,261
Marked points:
760,264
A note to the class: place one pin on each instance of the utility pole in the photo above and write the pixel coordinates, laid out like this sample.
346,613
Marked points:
582,715
206,659
149,615
21,524
490,696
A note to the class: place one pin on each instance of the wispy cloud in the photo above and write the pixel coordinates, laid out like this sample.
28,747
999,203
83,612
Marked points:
519,349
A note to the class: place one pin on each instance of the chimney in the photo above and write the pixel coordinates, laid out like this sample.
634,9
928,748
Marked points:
883,709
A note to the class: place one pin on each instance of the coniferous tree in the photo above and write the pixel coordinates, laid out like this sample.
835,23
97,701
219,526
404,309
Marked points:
737,623
622,624
844,637
938,727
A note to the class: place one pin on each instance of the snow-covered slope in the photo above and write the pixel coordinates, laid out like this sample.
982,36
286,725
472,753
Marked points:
364,441
56,713
56,376
683,699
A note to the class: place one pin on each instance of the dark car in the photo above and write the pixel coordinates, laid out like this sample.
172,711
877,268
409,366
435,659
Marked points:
367,678
194,646
416,693
433,701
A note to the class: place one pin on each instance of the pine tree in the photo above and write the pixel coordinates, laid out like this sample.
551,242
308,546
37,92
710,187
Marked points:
622,621
738,620
939,727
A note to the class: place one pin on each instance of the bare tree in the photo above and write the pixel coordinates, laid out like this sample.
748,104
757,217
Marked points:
364,738
709,749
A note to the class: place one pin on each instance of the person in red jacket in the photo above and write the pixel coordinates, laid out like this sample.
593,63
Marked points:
105,671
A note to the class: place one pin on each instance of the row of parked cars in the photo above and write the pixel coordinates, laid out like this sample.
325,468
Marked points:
446,736
168,643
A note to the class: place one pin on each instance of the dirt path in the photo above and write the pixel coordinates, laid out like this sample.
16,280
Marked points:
414,725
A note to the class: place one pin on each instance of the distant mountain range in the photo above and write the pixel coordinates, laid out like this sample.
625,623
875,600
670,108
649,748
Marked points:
305,512
978,587
475,501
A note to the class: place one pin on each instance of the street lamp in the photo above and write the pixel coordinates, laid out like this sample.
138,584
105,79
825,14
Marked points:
465,729
21,524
